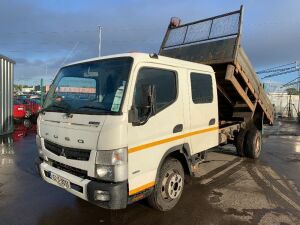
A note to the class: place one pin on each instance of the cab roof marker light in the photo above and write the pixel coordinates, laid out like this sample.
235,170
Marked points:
175,22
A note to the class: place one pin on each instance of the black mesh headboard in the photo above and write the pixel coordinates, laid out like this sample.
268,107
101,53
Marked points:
209,41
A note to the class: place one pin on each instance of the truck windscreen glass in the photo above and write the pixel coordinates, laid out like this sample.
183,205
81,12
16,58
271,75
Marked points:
90,88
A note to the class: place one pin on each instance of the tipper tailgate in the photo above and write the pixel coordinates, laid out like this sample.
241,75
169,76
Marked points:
216,42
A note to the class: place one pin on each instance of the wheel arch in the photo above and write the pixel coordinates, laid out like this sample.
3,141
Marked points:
258,118
182,154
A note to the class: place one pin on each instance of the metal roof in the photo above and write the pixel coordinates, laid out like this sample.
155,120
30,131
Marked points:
8,59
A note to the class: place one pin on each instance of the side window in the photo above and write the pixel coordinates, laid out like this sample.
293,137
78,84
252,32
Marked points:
201,85
165,85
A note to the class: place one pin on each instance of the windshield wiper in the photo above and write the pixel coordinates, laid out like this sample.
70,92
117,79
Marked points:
93,107
63,108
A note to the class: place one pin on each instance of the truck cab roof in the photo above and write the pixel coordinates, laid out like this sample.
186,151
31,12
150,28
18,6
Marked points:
146,57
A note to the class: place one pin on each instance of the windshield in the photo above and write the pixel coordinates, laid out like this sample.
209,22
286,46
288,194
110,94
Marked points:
90,88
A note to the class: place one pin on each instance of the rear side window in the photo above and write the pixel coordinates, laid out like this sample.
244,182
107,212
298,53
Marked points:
165,85
201,85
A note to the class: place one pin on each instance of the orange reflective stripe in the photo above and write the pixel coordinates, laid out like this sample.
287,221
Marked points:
141,188
163,141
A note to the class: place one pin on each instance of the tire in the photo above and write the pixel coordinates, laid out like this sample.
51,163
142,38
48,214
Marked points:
27,123
253,143
240,142
169,186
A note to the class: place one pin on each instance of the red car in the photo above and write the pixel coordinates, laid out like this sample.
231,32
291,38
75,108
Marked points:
19,109
32,107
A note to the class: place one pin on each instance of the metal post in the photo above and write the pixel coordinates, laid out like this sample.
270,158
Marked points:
290,110
100,39
42,91
298,66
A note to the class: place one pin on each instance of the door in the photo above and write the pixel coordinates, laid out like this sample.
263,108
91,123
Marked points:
147,143
203,111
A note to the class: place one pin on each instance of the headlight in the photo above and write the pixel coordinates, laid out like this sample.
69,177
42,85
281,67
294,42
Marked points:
112,157
105,171
111,165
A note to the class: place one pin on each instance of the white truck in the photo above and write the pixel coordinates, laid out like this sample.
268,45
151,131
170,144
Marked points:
120,128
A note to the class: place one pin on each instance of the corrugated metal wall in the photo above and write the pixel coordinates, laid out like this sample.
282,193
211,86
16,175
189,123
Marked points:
6,95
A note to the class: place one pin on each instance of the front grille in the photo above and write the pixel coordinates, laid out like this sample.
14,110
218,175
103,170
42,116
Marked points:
69,169
69,153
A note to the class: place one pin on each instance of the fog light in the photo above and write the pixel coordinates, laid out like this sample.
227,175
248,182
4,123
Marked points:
102,195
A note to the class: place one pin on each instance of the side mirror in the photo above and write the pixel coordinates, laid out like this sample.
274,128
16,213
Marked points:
133,115
139,115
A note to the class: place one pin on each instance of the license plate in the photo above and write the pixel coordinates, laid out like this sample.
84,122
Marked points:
60,181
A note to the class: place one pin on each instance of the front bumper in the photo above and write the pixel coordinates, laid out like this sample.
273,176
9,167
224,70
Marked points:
85,188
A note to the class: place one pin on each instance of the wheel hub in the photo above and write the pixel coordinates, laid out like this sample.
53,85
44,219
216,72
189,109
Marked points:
257,144
172,185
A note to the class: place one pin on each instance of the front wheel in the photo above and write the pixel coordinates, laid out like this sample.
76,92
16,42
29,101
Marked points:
169,186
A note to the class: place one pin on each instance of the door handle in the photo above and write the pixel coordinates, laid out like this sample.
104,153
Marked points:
178,128
212,121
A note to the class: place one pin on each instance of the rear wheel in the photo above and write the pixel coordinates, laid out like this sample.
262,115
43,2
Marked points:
254,141
240,142
169,186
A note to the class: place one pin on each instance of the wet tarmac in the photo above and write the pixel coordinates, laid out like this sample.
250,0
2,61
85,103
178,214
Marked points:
229,190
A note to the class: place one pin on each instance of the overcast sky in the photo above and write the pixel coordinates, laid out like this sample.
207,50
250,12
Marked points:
36,33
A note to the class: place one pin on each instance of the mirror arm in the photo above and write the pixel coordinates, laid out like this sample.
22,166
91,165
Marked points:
132,117
146,120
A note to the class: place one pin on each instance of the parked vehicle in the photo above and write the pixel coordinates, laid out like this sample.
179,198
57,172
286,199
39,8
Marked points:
146,121
27,96
21,96
32,107
37,101
34,96
19,109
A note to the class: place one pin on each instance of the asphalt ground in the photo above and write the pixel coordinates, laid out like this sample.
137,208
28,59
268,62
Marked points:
228,189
